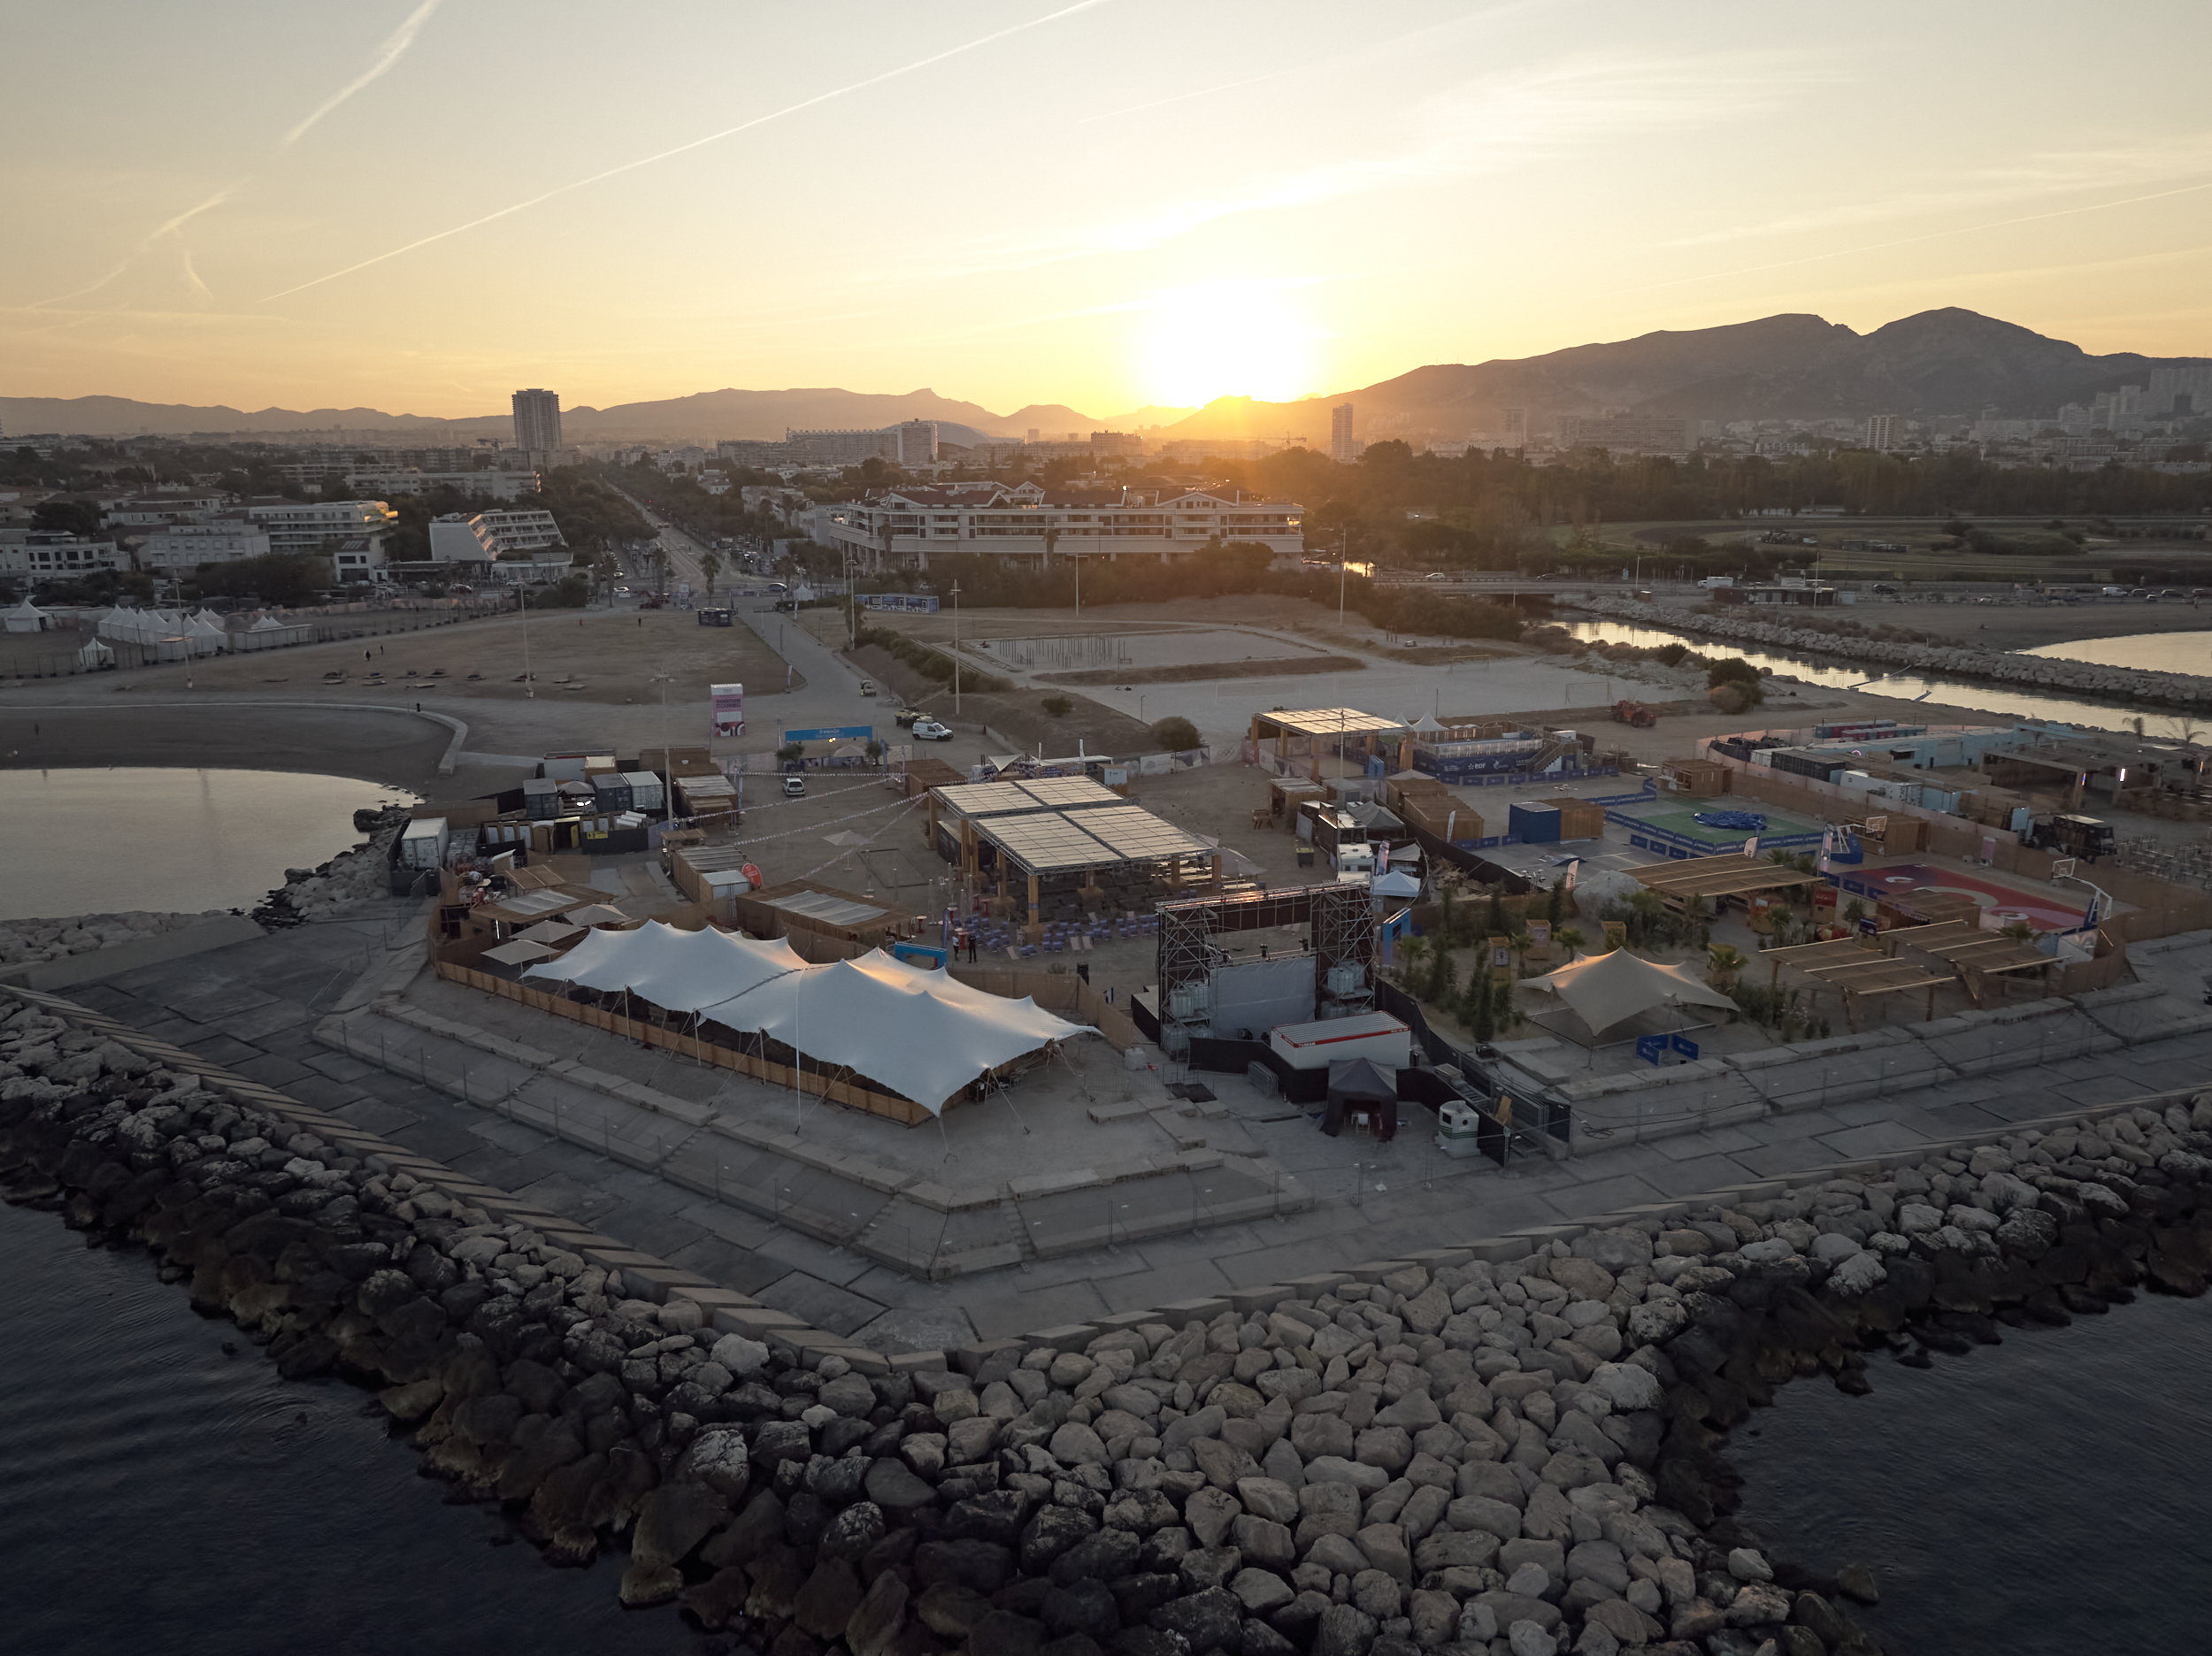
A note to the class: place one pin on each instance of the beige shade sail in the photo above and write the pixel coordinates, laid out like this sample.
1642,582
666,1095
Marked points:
1606,989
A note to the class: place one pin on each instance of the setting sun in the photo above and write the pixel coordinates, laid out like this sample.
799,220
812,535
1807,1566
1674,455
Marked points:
1227,339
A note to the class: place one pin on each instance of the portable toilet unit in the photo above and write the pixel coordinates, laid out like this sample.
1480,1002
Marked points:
1459,1129
1532,822
647,793
422,844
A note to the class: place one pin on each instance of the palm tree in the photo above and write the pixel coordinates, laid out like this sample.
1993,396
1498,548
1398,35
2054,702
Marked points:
1723,962
711,566
1570,939
1520,943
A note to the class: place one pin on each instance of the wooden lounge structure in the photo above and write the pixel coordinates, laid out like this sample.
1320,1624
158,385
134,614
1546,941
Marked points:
1860,967
1728,874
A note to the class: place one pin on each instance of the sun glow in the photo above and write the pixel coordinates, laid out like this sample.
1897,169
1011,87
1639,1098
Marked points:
1227,339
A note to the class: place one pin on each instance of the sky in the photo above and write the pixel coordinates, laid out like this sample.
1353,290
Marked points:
418,205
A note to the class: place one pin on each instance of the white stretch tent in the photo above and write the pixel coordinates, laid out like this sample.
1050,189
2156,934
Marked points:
922,1034
1605,989
26,617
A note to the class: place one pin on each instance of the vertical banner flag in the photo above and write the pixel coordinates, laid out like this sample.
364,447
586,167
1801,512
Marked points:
1571,867
1751,846
729,708
1827,846
2089,918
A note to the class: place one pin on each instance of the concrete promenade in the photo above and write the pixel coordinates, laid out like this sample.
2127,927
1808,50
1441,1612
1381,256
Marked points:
295,1011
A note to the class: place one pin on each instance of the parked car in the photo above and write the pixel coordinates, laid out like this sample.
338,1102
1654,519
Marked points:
906,716
930,729
867,686
794,787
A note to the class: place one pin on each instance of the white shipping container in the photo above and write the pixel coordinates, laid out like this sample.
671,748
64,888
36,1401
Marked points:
1373,1035
422,844
645,790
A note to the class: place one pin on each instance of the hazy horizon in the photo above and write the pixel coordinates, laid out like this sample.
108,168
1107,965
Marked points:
415,205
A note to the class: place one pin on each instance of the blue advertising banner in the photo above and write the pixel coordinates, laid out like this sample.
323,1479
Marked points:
1683,1045
833,732
1651,1047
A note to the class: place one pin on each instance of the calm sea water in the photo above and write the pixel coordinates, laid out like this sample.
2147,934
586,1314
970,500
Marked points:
2171,652
168,840
163,1497
2160,652
2047,1496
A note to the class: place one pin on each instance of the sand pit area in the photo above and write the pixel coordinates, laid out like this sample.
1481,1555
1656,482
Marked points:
589,656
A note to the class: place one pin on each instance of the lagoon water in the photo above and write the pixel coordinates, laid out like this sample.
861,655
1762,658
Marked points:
169,840
2171,652
164,1498
2047,1496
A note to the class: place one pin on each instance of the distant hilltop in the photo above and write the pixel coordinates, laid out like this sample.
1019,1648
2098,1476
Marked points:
1946,362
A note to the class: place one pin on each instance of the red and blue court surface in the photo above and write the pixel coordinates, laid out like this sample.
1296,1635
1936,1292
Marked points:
1898,879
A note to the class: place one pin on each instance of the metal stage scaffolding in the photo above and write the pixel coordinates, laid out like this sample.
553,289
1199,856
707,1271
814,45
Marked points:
1343,924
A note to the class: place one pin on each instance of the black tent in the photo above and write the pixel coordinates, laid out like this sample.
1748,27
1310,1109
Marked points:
1354,1081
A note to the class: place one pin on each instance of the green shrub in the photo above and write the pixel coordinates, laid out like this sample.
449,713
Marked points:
1176,733
1058,706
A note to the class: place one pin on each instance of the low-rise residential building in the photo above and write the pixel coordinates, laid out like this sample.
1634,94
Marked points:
187,546
151,512
45,554
318,526
501,485
501,545
906,525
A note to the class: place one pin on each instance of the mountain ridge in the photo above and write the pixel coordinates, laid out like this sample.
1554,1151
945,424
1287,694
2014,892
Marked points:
1792,365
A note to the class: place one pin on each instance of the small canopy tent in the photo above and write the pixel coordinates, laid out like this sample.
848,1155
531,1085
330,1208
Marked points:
26,617
1396,884
1609,989
1357,1082
519,952
94,656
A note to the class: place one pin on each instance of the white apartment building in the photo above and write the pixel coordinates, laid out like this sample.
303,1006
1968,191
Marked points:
1882,432
177,547
905,525
316,527
502,545
162,508
490,484
45,555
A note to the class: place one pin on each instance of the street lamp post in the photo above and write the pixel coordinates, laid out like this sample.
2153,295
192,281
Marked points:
956,648
1343,539
529,684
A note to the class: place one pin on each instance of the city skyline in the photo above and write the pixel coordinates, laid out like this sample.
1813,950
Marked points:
1145,207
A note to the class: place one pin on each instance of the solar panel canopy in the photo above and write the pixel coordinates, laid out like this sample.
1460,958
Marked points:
1011,797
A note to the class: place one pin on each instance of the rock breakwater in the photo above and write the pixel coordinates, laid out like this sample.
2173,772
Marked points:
2041,672
27,942
345,883
1513,1455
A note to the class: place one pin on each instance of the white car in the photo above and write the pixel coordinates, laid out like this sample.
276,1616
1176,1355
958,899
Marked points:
930,729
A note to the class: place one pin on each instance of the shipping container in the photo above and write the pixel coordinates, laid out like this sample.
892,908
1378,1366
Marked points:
1534,823
541,799
610,792
647,793
1371,1035
422,844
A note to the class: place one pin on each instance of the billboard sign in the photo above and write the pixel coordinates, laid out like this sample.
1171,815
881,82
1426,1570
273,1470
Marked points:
833,732
729,708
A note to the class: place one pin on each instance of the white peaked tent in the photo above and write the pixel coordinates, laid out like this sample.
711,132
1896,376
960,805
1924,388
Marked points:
205,634
1607,989
94,656
923,1034
26,617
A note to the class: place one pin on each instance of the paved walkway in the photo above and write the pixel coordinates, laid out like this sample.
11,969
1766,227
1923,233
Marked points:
795,1242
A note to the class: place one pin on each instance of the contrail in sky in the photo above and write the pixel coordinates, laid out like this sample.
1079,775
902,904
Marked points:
393,48
1932,235
713,137
386,55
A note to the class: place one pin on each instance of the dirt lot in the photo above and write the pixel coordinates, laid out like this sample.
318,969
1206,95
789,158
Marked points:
593,657
1016,715
2029,627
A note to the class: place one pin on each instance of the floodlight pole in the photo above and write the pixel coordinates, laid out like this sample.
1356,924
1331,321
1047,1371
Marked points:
529,684
955,648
